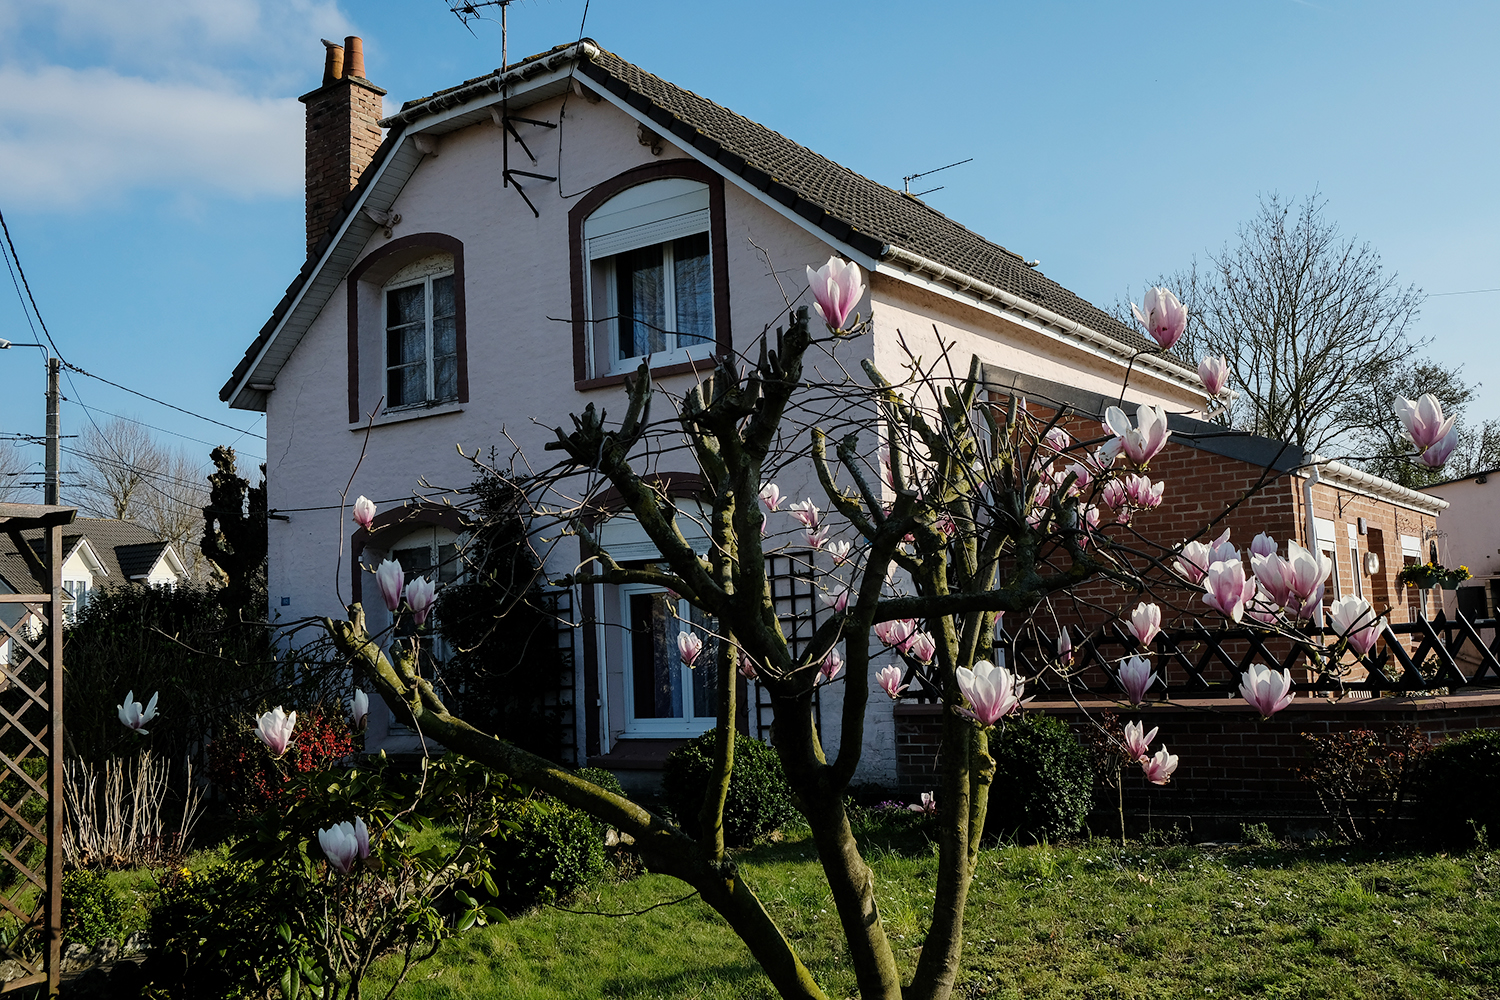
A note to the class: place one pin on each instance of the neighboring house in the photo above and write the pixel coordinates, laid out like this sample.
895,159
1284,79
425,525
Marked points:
1469,530
444,301
97,552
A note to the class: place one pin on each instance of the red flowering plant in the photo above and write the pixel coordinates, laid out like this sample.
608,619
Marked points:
255,765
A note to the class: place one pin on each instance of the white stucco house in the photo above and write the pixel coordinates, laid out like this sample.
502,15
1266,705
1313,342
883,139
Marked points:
496,256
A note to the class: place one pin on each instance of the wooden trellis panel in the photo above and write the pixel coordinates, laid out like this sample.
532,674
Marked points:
31,758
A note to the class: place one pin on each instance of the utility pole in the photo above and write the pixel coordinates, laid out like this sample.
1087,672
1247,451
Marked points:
49,493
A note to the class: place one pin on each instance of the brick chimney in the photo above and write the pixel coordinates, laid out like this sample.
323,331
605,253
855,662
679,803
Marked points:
342,133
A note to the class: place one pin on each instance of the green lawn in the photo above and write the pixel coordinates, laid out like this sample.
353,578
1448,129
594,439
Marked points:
1084,920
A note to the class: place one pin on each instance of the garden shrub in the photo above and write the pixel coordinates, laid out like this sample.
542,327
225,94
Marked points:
220,923
1461,788
544,852
1044,780
759,800
92,909
1363,776
253,779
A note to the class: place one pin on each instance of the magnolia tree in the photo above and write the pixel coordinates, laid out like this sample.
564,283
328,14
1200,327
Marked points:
938,513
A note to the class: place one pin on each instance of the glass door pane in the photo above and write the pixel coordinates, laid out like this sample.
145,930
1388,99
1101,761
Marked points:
655,666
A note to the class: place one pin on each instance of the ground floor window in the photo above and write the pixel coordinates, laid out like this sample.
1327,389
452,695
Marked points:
663,695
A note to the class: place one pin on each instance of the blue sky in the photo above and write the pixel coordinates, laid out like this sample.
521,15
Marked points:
150,153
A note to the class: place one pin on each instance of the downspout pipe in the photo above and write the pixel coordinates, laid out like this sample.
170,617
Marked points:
1307,505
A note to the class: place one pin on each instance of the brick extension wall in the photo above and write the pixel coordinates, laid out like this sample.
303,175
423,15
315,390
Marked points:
1231,763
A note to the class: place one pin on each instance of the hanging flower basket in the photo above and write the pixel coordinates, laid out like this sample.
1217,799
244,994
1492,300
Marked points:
1431,574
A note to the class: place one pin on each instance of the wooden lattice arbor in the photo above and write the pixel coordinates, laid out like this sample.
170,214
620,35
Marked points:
31,752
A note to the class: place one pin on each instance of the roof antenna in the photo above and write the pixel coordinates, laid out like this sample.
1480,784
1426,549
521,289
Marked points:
906,181
466,11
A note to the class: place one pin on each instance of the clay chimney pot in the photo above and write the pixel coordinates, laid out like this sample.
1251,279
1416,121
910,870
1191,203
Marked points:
333,62
354,58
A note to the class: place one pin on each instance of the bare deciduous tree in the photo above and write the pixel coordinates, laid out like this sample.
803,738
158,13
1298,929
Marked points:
1309,320
122,471
15,464
1378,442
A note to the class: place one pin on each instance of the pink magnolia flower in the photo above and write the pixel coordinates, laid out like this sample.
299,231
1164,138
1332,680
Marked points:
275,729
1065,648
836,599
1142,492
1113,496
1145,622
895,633
689,646
1058,440
1136,678
364,512
1355,621
1274,574
928,805
132,716
1159,768
390,579
832,664
806,512
362,837
1266,690
1262,607
837,287
1422,421
1262,545
359,709
340,846
922,647
1215,374
890,682
1142,442
1165,318
1227,589
817,539
1307,570
1137,740
1435,456
770,495
993,692
420,595
1105,455
1082,478
747,668
840,551
1195,558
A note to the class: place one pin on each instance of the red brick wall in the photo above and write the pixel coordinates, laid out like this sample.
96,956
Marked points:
1230,761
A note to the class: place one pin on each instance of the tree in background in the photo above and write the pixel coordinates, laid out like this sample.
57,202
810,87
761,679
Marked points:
504,664
124,472
234,535
1381,447
14,468
1314,328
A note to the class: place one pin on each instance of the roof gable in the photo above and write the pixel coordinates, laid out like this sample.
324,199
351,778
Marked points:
873,223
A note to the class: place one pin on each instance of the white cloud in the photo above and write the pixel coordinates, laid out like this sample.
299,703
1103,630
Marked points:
69,138
99,98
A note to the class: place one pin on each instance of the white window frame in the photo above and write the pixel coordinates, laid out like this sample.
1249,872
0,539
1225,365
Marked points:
656,212
690,724
430,397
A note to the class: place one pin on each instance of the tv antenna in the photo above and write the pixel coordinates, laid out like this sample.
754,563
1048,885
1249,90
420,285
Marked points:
906,181
469,10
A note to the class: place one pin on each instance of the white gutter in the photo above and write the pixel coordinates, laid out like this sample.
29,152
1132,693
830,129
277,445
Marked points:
491,84
1359,481
1045,320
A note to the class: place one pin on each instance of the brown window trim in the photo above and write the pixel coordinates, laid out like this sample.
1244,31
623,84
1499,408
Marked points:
391,526
718,243
439,243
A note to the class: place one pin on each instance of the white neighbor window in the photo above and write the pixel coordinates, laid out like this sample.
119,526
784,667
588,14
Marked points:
421,334
650,276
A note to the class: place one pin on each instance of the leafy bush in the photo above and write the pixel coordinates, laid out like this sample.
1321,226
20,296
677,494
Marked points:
758,801
210,670
1044,780
253,779
545,852
1461,788
220,924
92,909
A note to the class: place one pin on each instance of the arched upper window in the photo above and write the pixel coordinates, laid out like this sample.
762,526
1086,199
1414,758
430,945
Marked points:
649,273
421,333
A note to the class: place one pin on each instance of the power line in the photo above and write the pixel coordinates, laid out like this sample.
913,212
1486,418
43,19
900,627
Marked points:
133,420
163,402
1470,291
12,245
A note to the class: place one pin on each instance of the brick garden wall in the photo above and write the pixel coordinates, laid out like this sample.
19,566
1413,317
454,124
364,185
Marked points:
1231,763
